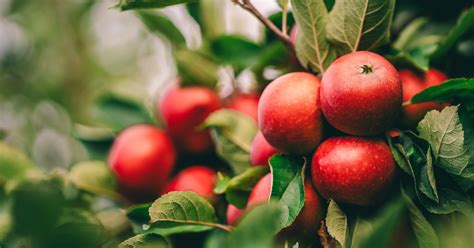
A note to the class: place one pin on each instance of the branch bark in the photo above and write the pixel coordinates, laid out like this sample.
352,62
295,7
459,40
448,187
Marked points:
247,5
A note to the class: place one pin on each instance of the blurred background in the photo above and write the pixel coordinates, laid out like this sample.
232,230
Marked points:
80,68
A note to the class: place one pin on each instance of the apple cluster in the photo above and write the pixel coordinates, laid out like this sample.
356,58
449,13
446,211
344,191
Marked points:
338,120
143,157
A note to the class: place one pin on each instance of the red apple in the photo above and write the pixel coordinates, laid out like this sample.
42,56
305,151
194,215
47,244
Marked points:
246,104
233,214
289,114
198,179
412,85
353,170
434,77
183,110
308,220
142,158
361,94
261,191
260,150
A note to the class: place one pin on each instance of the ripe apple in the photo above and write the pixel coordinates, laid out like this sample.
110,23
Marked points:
361,94
307,221
246,104
289,113
260,150
199,179
183,110
261,191
412,85
142,157
233,214
353,170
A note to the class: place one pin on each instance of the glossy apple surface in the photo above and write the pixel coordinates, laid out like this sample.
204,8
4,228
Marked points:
261,150
142,158
289,114
246,104
198,179
361,94
183,110
233,214
353,170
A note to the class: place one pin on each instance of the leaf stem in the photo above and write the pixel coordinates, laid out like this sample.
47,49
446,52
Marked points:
284,20
406,103
247,5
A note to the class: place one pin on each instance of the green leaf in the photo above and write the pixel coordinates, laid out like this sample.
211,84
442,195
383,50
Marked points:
444,131
419,158
407,35
13,163
463,24
258,227
377,231
458,88
237,189
118,113
216,239
312,47
288,183
418,57
337,223
160,24
146,4
467,121
211,17
360,24
232,133
94,177
37,205
196,68
424,232
138,214
148,240
236,51
76,228
449,201
183,211
399,155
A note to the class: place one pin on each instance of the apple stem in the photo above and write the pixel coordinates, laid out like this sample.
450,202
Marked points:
366,69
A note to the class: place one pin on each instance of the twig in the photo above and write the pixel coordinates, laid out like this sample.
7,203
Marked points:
247,5
406,103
